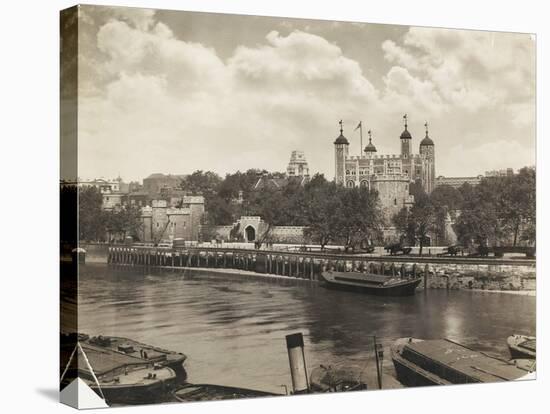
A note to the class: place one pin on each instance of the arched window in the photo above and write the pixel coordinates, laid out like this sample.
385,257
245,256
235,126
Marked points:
395,201
351,184
365,184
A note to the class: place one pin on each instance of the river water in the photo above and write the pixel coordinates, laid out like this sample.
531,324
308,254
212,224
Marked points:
233,327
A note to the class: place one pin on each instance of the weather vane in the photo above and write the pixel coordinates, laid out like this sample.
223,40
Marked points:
426,125
341,126
405,120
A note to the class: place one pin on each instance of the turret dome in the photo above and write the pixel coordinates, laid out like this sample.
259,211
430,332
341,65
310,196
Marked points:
341,140
370,146
406,134
427,140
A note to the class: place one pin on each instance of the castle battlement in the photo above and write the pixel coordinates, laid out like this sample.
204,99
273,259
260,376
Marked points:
392,172
391,177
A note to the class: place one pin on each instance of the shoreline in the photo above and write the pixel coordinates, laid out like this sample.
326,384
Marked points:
233,272
532,293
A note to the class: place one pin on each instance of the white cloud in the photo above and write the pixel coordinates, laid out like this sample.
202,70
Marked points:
153,102
469,69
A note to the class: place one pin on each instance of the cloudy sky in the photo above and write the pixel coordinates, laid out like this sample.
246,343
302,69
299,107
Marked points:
173,92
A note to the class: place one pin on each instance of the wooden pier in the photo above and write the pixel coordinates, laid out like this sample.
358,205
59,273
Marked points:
300,265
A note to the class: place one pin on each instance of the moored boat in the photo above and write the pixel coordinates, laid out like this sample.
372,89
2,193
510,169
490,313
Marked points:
441,361
522,346
370,283
149,353
120,370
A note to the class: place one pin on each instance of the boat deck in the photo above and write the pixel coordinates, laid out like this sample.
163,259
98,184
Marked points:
530,344
471,363
104,360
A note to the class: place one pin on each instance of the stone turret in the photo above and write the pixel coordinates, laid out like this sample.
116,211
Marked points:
427,153
405,138
341,150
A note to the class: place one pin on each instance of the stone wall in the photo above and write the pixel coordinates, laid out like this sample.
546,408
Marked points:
288,234
486,277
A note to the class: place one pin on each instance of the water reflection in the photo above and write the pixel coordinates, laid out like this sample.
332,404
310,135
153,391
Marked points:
232,327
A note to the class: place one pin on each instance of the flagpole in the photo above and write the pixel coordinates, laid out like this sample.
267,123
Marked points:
361,137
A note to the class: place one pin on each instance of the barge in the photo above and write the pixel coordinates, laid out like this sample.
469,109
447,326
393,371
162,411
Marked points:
441,361
522,346
370,283
120,370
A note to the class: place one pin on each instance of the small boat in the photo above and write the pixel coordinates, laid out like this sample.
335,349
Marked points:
441,361
370,283
338,378
522,347
211,392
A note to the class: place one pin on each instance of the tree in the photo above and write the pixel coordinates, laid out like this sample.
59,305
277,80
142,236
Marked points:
359,217
499,210
517,201
91,218
322,201
446,200
266,204
124,222
478,221
418,222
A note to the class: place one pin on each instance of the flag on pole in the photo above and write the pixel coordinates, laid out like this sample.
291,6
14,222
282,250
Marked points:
358,126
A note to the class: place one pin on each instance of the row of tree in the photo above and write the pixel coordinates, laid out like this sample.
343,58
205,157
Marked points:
498,211
329,212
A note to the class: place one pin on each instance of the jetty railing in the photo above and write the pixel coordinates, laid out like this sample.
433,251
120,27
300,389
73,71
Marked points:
301,265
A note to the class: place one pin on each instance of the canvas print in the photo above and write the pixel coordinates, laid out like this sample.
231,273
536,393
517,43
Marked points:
267,206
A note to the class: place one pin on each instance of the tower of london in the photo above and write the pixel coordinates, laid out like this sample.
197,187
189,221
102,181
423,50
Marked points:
389,174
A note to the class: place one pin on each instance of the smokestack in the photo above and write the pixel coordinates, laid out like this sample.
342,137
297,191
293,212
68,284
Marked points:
297,360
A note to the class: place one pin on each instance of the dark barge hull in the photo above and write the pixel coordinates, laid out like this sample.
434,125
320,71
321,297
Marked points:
412,377
522,347
516,353
441,362
402,288
136,394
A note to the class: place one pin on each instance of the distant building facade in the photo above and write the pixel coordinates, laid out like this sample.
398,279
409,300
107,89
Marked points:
250,229
297,166
161,221
297,172
507,172
457,182
390,175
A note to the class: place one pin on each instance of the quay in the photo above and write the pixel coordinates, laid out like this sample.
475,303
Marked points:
512,274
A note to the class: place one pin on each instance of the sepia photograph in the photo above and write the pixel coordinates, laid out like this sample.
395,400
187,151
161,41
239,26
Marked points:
256,206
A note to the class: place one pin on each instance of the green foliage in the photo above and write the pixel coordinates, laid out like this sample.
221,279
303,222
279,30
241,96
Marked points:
91,218
500,210
95,224
359,217
123,222
417,223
